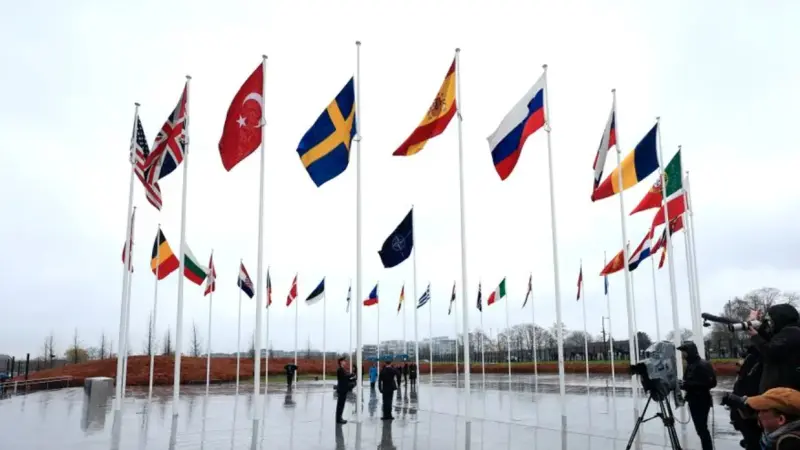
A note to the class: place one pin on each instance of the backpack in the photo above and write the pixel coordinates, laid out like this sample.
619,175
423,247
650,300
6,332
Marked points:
793,436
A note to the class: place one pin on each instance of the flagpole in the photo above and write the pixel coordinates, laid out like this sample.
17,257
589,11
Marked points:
585,333
701,345
176,388
535,356
129,263
239,335
350,316
260,263
155,315
430,334
483,356
266,340
122,303
465,317
208,356
676,339
416,301
324,318
359,298
508,344
610,335
556,278
626,257
690,279
296,322
655,294
455,327
405,341
378,325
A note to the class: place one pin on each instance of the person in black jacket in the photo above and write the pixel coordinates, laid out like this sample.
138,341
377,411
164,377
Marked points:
405,373
781,352
398,374
746,385
290,369
343,378
412,374
386,387
698,380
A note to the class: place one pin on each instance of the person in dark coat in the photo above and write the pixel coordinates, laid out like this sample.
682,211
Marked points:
398,373
698,380
781,352
746,385
386,387
343,380
291,370
405,373
412,374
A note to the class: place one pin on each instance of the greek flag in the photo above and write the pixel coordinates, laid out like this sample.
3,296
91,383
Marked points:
426,296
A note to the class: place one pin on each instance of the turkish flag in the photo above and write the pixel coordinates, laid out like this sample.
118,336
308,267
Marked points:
241,135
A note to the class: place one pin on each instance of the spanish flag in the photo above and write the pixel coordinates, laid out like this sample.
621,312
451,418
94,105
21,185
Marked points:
639,163
163,262
436,119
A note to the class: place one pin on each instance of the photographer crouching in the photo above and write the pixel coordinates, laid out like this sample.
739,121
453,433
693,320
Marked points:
698,380
779,347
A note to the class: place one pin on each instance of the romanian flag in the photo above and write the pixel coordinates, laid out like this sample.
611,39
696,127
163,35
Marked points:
402,298
373,297
639,163
616,264
325,148
163,262
436,119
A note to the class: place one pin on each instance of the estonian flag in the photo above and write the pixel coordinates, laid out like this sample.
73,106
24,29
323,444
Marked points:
316,295
398,246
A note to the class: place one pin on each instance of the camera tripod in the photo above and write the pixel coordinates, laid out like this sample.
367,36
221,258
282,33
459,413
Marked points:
667,418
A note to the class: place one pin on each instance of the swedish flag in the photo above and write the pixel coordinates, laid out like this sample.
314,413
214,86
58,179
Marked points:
325,148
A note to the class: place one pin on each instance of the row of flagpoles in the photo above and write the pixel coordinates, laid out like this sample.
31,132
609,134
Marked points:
325,156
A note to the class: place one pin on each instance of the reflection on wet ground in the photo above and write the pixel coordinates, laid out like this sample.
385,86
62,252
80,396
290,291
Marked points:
430,417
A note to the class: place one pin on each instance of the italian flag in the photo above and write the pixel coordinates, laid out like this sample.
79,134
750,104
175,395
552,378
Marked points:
498,293
192,269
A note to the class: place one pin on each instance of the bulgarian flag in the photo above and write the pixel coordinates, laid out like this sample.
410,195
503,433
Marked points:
498,293
192,269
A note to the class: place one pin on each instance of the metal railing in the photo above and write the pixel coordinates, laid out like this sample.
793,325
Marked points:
11,387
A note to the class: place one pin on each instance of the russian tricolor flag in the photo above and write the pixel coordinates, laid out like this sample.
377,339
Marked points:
527,116
373,297
642,252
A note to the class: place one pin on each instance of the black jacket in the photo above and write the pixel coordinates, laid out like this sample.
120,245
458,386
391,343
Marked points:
781,353
342,380
412,371
386,380
699,378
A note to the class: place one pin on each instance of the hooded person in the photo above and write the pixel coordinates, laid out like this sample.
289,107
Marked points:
698,380
780,353
747,385
778,412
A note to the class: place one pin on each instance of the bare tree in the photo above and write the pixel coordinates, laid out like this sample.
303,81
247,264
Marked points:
577,339
103,350
196,348
167,348
111,349
686,334
149,344
252,351
75,353
48,351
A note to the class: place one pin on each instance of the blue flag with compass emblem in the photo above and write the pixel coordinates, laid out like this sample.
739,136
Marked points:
398,246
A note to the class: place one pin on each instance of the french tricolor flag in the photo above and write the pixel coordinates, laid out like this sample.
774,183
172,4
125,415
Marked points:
527,116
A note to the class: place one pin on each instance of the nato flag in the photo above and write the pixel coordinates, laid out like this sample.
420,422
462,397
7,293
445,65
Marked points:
398,246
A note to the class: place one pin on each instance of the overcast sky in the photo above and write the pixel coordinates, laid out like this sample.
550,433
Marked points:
722,75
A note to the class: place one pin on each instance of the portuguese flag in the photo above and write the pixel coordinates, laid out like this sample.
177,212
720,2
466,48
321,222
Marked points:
498,293
163,262
192,269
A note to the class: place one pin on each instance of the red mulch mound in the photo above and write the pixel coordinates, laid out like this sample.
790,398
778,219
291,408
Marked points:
193,370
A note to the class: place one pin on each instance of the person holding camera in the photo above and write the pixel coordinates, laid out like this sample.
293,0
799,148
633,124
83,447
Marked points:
698,380
778,412
343,386
746,385
779,347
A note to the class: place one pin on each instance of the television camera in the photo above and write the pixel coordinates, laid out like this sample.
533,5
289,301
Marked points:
658,375
731,324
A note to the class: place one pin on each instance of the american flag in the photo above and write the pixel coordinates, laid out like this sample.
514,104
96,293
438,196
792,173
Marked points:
269,289
169,148
140,153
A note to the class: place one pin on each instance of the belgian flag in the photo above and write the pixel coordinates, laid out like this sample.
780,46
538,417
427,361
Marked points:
163,262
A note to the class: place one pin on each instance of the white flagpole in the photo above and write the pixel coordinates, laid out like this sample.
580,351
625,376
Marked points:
585,333
416,299
350,316
239,336
676,339
430,334
359,298
655,295
508,343
626,257
123,301
260,263
535,350
267,346
155,316
405,341
690,278
483,356
556,278
610,335
324,319
208,346
296,322
128,309
700,342
176,388
455,325
464,282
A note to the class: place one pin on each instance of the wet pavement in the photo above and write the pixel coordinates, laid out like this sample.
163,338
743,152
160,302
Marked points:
431,417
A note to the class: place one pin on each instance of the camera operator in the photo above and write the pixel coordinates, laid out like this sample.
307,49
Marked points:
780,352
746,385
779,414
698,380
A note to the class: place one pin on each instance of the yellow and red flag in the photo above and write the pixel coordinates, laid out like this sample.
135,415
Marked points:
402,298
436,119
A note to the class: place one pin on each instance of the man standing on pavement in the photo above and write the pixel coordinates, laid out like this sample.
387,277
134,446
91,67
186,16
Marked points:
698,380
342,388
387,387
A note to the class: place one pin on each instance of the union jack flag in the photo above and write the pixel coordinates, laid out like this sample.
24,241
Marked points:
140,153
169,148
